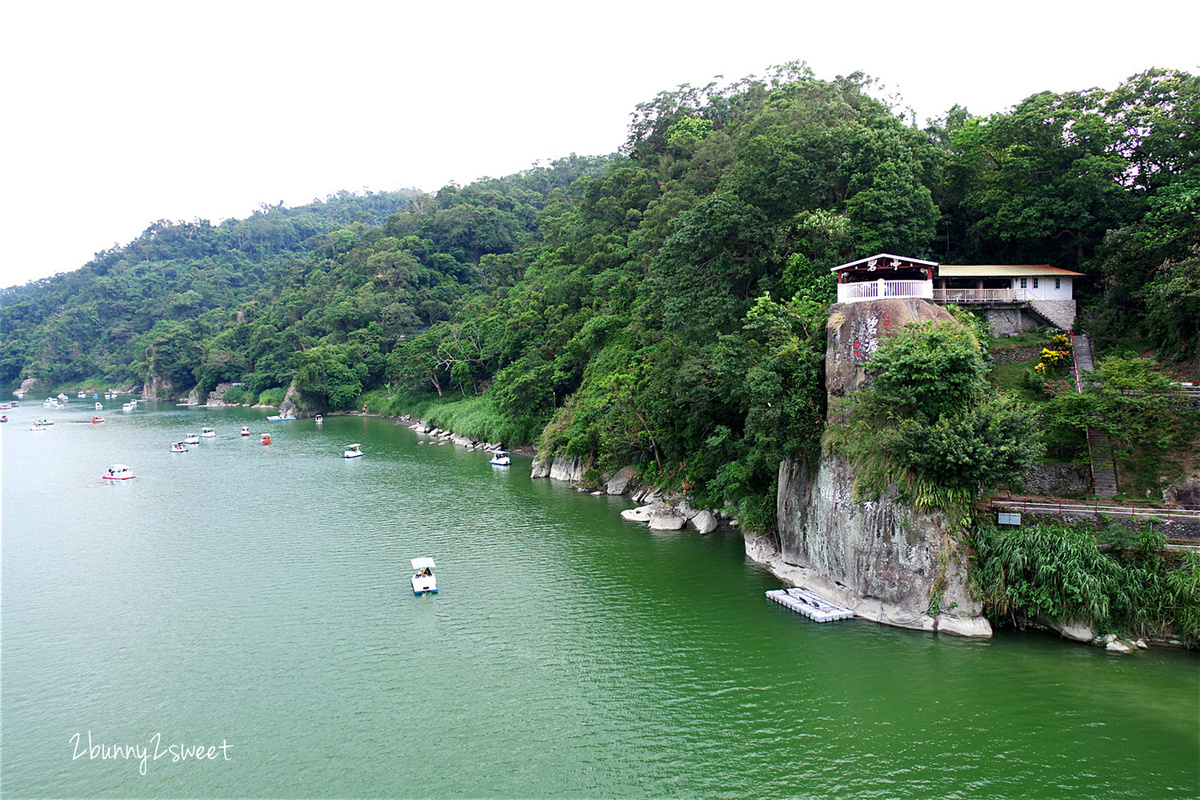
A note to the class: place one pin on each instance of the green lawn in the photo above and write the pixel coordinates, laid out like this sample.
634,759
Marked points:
1011,377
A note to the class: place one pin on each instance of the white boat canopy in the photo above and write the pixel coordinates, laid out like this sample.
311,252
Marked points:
423,563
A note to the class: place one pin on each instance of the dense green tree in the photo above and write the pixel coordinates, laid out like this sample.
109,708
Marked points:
928,424
1050,182
331,375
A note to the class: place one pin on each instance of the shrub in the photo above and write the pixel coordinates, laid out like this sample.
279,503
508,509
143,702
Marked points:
272,397
237,395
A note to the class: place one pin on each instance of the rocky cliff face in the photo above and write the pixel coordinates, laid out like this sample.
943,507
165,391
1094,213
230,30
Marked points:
559,469
882,558
157,389
27,386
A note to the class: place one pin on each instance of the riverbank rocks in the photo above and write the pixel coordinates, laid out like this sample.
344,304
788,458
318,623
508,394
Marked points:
559,469
657,512
666,519
620,482
640,514
663,517
1113,644
152,388
705,521
1077,630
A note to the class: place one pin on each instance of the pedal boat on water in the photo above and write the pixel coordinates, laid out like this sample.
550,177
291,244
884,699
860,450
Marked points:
118,472
423,579
178,447
500,459
353,451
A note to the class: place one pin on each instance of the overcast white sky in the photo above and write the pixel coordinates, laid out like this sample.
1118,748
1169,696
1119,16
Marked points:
117,114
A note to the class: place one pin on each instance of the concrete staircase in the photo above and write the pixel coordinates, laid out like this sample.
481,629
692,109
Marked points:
1084,362
1104,469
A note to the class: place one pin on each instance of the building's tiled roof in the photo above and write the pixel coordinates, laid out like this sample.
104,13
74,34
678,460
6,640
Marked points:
1000,270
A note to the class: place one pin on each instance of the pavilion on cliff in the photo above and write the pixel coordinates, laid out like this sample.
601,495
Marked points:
1014,297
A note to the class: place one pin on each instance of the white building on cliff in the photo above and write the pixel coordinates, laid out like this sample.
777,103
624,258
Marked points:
1013,297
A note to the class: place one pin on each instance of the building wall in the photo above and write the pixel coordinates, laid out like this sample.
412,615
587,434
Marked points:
1008,321
1045,288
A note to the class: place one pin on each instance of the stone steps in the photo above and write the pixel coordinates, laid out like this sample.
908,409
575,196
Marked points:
1104,470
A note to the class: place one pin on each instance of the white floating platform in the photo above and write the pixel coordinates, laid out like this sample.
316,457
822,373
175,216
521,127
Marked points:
810,604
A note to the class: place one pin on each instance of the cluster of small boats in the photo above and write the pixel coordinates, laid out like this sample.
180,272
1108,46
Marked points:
423,580
209,433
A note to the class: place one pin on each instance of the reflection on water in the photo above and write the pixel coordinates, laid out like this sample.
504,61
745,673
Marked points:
257,597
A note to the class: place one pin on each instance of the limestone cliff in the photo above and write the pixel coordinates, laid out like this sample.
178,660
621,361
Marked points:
157,389
287,408
883,558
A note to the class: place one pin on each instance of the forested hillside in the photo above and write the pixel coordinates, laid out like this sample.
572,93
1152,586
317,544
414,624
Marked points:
117,319
663,306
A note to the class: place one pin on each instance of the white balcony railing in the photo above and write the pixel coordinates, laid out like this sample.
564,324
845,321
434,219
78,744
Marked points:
875,290
981,295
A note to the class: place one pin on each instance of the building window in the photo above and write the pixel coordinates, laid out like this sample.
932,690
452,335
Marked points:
1058,283
1024,283
1035,282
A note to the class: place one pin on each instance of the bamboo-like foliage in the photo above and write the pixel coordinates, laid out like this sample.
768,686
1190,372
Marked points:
1059,571
1183,585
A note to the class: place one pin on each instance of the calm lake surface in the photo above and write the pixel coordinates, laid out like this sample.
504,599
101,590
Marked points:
255,601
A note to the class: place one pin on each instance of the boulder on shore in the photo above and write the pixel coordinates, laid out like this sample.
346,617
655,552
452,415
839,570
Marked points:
640,514
619,482
666,519
705,521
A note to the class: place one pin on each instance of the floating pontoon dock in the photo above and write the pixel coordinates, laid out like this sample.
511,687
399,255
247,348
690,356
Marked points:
810,604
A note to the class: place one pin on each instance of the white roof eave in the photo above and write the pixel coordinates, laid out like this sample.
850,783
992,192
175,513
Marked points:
909,259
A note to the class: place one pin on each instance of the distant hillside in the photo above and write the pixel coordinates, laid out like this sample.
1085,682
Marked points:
82,324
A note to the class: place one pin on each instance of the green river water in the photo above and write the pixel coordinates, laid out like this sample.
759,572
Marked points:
254,601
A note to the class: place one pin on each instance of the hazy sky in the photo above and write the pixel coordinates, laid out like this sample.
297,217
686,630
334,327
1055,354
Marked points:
117,114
